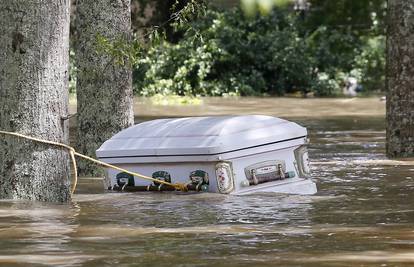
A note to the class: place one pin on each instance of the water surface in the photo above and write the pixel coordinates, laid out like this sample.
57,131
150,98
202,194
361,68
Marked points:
363,214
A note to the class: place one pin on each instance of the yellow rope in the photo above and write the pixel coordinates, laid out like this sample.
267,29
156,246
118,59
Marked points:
73,153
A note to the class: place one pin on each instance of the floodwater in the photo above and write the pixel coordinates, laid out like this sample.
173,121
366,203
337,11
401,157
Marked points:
363,214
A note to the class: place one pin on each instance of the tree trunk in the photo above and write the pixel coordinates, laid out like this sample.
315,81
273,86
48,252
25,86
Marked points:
104,87
34,53
400,79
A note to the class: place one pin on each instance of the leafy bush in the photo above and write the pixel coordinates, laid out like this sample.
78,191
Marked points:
229,53
371,64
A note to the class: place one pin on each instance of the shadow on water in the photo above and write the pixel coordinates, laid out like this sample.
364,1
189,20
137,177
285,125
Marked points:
362,215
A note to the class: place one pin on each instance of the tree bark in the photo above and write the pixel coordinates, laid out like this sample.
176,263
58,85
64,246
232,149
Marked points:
34,53
400,79
104,87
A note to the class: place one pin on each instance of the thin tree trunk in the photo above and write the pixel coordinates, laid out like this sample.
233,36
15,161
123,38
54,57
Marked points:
34,52
104,87
400,79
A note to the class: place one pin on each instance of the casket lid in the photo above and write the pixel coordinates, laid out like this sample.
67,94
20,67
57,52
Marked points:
199,136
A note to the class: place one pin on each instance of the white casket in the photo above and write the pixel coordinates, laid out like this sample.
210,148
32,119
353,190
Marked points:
226,154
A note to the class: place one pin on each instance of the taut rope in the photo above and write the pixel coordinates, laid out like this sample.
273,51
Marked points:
73,153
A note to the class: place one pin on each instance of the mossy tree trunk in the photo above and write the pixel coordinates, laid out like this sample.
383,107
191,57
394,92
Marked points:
400,79
104,87
34,52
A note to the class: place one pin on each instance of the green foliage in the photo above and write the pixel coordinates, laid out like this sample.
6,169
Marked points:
148,15
370,63
362,17
238,53
125,51
348,39
228,53
121,50
231,53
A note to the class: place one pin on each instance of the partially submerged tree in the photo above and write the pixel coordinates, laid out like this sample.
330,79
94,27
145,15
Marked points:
104,82
34,47
400,79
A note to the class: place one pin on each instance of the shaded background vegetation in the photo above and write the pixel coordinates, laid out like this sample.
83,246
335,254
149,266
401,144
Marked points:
225,51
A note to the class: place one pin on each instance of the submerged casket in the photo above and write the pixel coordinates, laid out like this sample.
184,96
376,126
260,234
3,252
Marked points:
226,154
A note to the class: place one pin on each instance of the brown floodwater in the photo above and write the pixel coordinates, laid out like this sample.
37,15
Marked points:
363,214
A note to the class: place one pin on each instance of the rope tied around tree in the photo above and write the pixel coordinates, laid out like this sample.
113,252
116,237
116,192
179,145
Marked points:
72,153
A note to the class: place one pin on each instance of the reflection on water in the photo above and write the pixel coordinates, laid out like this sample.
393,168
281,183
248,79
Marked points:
363,215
